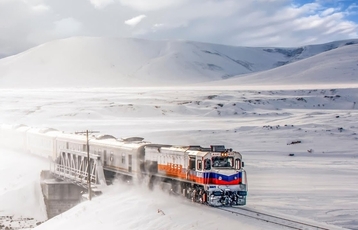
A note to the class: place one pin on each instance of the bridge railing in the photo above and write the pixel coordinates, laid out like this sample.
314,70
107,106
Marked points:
73,166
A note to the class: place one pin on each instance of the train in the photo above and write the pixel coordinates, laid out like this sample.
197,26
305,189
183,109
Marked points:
212,175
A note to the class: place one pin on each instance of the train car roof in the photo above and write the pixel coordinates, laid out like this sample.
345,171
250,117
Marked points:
21,127
104,137
6,126
132,139
71,136
110,141
197,153
194,151
45,131
167,149
162,147
177,150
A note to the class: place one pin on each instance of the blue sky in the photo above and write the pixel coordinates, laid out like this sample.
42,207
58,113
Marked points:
350,7
269,23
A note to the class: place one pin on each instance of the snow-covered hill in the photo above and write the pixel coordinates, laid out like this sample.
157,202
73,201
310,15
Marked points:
335,67
117,62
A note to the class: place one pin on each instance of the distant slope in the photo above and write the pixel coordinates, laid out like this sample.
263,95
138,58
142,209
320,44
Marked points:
295,54
339,66
117,62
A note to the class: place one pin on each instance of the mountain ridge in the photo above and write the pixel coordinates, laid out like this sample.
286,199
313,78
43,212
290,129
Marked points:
336,67
97,61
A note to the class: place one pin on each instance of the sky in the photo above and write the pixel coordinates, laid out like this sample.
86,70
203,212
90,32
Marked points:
288,23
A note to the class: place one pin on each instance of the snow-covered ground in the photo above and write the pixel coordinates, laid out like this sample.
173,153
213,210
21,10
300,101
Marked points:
307,107
321,185
21,200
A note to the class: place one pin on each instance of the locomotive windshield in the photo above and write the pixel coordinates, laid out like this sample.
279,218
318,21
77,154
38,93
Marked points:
223,162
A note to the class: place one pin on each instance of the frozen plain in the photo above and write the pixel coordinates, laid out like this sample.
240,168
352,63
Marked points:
315,104
321,186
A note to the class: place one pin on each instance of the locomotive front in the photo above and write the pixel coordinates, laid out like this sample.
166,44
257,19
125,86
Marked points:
214,176
224,178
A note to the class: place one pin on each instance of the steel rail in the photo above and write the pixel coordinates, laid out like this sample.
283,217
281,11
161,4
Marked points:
293,224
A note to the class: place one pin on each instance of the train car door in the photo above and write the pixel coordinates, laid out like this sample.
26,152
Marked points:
191,168
129,163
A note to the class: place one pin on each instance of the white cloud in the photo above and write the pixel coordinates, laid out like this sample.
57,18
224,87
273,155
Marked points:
231,22
353,6
134,21
327,12
36,5
159,25
67,27
149,5
41,8
99,4
352,9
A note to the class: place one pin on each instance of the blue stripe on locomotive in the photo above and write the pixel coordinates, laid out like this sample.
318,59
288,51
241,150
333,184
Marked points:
214,175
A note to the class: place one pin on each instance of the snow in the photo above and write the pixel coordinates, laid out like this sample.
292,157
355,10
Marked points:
336,67
315,119
129,207
320,185
118,62
20,191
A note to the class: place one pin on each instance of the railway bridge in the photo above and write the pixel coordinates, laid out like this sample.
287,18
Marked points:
81,168
73,171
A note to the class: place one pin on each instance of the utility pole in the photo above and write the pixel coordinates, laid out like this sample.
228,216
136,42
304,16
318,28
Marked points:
88,163
88,168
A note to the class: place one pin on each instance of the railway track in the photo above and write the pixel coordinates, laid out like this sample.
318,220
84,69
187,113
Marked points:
293,224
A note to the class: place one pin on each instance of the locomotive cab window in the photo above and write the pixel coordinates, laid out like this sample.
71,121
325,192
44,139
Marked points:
192,163
207,164
237,164
199,165
223,162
